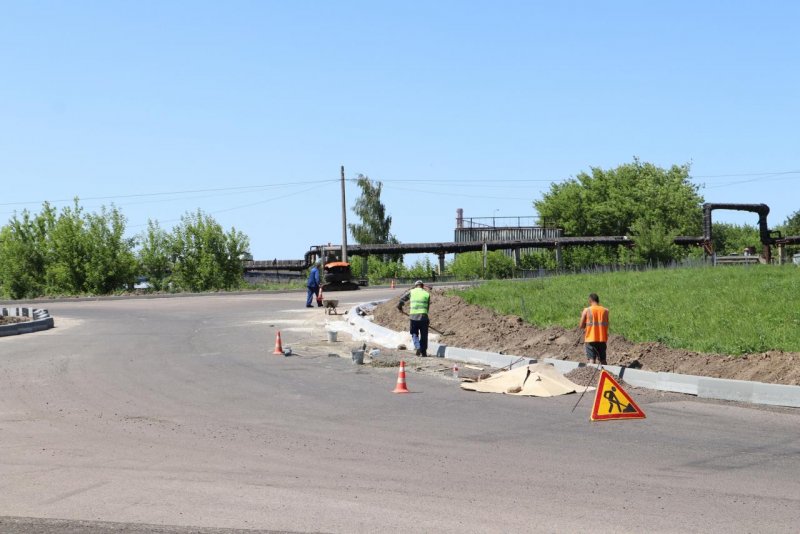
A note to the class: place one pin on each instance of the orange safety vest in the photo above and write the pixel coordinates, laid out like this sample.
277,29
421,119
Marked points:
595,319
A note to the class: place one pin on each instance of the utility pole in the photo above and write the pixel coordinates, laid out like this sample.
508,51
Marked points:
344,222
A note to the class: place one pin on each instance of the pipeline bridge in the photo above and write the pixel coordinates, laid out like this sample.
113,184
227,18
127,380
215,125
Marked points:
769,238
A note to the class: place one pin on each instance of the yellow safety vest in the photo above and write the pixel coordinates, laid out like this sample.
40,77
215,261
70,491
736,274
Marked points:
420,300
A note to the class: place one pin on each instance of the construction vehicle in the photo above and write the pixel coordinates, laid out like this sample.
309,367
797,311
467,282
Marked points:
338,276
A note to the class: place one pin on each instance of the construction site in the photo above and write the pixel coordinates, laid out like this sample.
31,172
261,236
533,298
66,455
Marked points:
457,323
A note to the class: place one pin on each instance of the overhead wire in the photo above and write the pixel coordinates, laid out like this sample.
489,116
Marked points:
248,205
392,184
242,189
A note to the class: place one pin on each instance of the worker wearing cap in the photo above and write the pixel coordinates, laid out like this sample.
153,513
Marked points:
594,322
418,316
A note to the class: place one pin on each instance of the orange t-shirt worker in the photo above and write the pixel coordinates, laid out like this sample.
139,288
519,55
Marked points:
594,322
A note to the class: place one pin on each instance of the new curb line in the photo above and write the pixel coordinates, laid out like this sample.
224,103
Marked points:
363,329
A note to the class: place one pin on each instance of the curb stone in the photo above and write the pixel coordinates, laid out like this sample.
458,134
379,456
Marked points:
40,320
363,329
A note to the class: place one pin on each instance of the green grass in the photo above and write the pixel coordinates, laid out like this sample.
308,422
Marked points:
276,286
730,310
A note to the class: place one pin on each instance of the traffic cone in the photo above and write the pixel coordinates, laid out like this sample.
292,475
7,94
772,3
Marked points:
392,286
401,379
319,297
278,346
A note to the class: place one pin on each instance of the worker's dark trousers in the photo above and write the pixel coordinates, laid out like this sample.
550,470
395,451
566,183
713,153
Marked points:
313,291
419,333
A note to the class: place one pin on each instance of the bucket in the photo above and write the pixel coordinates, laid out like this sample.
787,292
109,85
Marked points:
358,357
332,336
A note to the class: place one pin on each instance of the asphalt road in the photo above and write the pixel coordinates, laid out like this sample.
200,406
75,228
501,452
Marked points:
172,415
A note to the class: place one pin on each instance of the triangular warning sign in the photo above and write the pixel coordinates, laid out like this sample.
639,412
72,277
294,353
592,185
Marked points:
613,402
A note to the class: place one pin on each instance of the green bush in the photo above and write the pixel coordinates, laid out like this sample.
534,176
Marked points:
469,266
70,253
204,257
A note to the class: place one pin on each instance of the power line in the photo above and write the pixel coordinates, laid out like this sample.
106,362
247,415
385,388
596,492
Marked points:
251,204
744,174
449,193
763,178
242,189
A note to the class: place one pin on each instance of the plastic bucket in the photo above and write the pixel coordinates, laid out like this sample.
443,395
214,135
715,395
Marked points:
332,336
358,357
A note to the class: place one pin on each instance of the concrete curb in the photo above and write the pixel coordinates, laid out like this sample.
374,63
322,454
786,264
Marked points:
40,320
701,386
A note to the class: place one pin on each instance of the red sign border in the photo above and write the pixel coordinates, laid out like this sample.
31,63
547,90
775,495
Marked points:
605,375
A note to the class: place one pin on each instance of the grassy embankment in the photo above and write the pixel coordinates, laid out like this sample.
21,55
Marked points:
729,310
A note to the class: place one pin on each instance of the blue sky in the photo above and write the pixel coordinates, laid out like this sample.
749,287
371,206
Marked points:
247,110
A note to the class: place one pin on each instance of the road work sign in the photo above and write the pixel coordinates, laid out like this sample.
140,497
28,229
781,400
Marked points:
613,402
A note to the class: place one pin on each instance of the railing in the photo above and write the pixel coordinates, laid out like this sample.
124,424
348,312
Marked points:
504,222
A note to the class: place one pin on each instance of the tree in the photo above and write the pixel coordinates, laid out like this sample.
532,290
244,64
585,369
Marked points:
375,227
791,226
204,256
469,265
23,253
111,263
731,238
69,253
540,259
154,256
655,244
634,197
88,253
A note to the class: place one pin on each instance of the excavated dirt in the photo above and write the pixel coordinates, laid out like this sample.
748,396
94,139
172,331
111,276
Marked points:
468,326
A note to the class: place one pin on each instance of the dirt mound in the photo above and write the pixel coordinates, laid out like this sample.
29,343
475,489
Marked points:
467,326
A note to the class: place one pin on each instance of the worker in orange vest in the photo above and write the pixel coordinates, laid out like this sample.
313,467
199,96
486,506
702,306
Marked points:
594,323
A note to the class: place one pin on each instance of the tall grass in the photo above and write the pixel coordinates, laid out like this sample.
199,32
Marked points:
730,310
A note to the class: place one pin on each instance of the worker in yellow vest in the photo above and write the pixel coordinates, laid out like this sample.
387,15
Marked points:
594,322
418,316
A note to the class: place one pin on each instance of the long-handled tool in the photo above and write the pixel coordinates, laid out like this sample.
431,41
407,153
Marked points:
587,387
429,325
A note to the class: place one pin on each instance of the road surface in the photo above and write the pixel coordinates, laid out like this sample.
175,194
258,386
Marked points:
173,415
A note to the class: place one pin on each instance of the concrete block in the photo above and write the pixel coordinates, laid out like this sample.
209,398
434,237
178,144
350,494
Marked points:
641,379
562,366
486,358
678,383
776,394
717,388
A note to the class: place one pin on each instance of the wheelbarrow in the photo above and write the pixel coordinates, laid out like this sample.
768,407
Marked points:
330,306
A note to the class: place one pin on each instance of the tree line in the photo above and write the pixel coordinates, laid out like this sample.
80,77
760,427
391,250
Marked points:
72,252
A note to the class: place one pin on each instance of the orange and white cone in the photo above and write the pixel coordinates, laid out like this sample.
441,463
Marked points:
401,379
319,297
278,345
